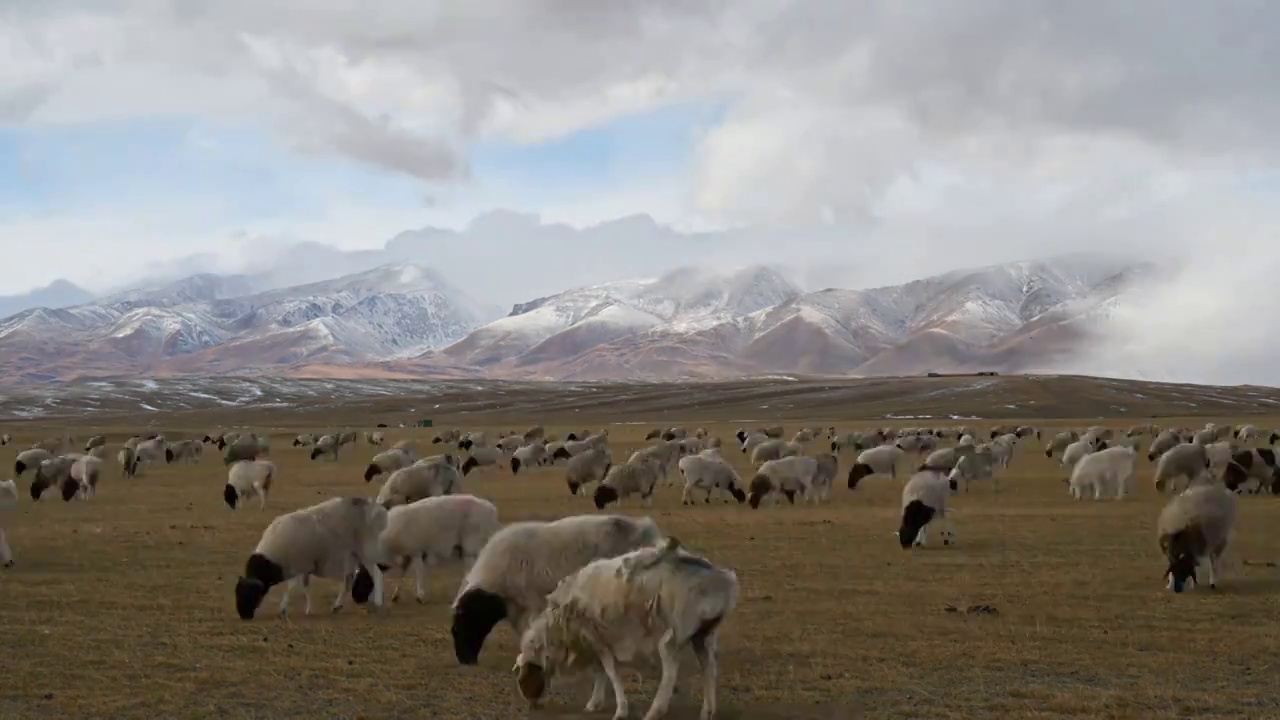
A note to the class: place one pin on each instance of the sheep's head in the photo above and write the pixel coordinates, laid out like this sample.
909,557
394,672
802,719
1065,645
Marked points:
70,487
230,496
1181,570
914,517
604,495
362,585
475,612
469,465
857,473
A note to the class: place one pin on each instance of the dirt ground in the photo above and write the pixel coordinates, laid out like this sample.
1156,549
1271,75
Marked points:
122,607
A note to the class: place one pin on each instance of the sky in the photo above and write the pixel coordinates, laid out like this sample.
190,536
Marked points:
867,141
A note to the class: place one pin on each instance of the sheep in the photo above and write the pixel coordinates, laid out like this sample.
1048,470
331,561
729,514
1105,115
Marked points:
980,464
534,434
692,446
483,457
5,439
385,462
451,460
1002,450
447,436
304,440
128,462
1219,454
1024,431
376,439
1196,524
946,458
186,451
1078,449
54,472
244,448
773,450
95,441
917,444
246,479
1060,442
881,460
530,455
1109,470
1204,437
787,476
8,502
85,473
675,433
419,481
346,438
924,500
1098,432
473,440
1257,465
326,446
824,476
704,472
588,467
653,600
523,562
852,441
408,447
1163,442
630,478
326,540
30,459
666,454
654,434
1182,460
430,531
749,442
802,436
509,443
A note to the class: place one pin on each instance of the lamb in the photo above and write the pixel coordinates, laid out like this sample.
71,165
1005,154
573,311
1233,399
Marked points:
531,455
1196,524
924,500
1105,471
882,460
30,459
387,461
246,479
788,476
589,467
1257,465
1163,442
615,610
704,472
326,540
327,446
523,562
774,450
419,481
1183,460
630,478
483,457
977,465
430,531
8,501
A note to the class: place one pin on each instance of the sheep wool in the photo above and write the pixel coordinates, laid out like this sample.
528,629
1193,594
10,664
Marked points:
1196,525
246,479
924,500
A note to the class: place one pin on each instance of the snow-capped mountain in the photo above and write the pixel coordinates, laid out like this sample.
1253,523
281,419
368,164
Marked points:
210,323
694,323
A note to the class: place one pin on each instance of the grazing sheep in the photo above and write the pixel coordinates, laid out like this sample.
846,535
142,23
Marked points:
1257,467
1140,430
304,440
246,479
1002,450
802,436
128,462
54,472
5,439
430,531
650,601
1163,442
386,462
586,468
749,442
1219,454
473,440
692,446
1183,460
666,454
346,438
524,562
483,457
330,540
630,478
30,459
852,441
946,458
509,443
653,434
186,451
94,442
881,460
1204,437
920,444
980,464
1105,471
245,447
376,439
453,461
1078,449
774,450
534,434
419,481
531,455
85,473
924,500
327,446
704,472
823,477
1196,525
786,476
447,436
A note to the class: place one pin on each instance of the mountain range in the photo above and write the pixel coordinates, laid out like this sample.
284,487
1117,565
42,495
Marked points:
403,319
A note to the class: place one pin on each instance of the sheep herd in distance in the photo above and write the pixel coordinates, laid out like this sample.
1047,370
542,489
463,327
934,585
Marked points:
600,578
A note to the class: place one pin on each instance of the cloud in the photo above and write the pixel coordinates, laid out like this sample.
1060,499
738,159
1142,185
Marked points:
869,142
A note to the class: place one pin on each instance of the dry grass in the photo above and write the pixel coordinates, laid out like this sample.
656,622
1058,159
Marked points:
122,606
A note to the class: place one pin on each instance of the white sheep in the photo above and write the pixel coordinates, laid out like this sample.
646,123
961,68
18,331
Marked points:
1106,471
638,477
1078,449
419,481
30,459
709,473
1183,460
979,464
246,479
1256,466
1164,441
524,561
665,454
85,473
1197,524
386,462
881,460
483,457
327,446
1219,454
587,467
774,450
432,531
304,440
527,456
924,500
620,610
8,502
787,476
328,540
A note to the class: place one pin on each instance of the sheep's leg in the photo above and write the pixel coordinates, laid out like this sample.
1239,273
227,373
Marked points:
420,579
262,500
284,597
306,594
1214,560
598,687
950,532
670,655
347,580
6,556
378,587
619,691
1097,491
705,650
687,496
922,536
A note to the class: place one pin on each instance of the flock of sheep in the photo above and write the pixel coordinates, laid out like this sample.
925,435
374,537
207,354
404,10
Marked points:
588,592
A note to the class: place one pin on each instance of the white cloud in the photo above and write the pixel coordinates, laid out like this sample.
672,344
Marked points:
922,136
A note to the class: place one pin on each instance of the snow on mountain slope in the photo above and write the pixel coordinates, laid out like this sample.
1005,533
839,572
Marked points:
206,321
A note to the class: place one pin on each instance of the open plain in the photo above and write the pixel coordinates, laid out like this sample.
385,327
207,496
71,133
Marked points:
121,606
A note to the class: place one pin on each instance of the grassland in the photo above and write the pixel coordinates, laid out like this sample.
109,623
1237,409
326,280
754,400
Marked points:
121,607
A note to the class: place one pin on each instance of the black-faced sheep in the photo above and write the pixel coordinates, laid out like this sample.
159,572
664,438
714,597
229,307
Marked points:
1196,525
246,479
924,500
